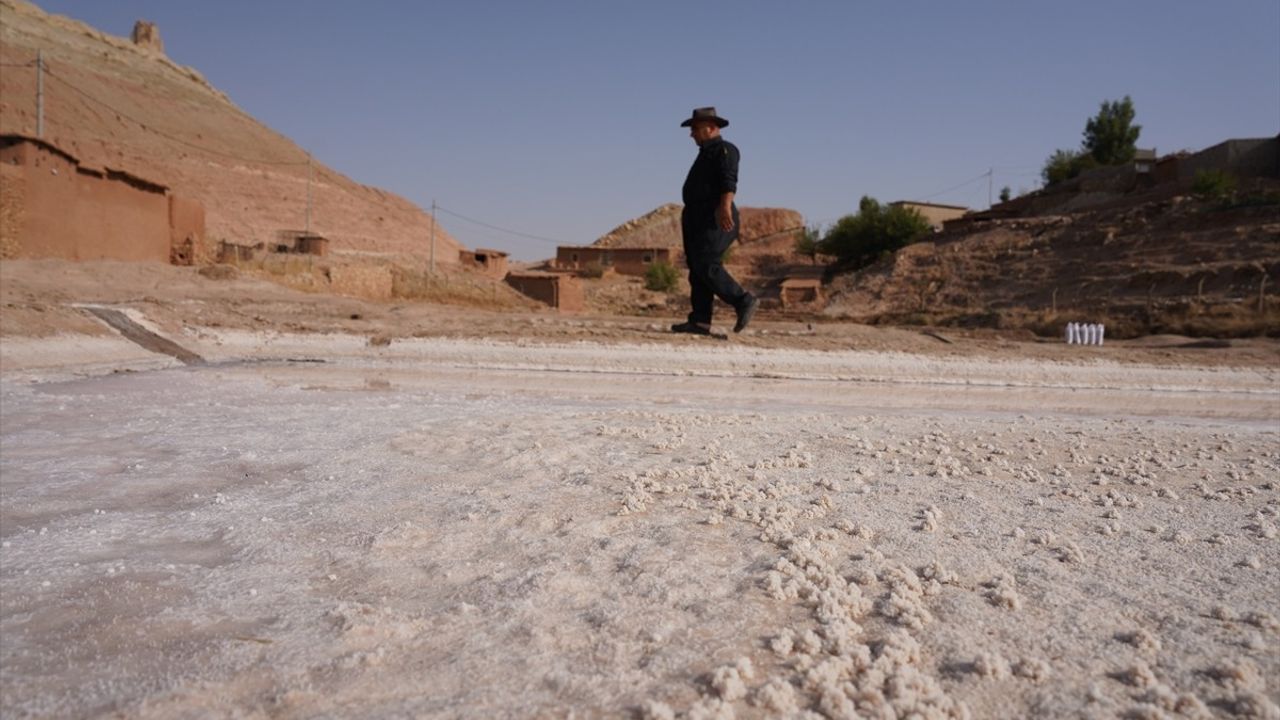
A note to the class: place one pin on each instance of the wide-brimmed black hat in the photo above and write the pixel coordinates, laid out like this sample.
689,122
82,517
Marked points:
706,113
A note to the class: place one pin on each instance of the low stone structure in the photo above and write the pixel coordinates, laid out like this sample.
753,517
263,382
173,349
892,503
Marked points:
797,291
1243,157
559,290
934,213
54,206
623,260
492,263
147,36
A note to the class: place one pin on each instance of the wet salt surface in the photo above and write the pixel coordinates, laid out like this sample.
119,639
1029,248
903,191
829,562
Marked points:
474,535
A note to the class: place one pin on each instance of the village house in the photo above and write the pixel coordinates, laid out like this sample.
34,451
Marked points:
492,263
559,290
624,261
934,213
55,206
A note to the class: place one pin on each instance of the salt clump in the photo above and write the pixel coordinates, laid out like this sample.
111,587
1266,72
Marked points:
1001,592
727,680
1255,706
991,665
930,517
1142,640
1238,674
783,643
1138,675
654,710
1264,620
711,709
1032,669
778,696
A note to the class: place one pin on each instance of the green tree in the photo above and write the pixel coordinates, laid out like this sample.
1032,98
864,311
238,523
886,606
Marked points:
1110,136
876,229
809,243
1005,194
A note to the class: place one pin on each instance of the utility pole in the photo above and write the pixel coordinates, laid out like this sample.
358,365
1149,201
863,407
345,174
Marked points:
433,236
309,176
990,176
39,93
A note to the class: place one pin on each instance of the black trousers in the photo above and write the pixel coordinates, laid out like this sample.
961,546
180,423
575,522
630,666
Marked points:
704,247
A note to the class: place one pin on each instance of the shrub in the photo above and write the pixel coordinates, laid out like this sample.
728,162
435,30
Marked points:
1066,164
661,277
1213,185
875,231
808,243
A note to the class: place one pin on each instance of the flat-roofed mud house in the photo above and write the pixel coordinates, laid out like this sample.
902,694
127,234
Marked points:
492,263
55,206
559,290
933,213
622,260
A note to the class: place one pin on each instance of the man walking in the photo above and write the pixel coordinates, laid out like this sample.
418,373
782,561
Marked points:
709,225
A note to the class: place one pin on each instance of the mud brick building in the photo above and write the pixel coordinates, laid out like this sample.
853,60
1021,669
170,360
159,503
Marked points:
933,213
559,290
622,260
492,263
55,206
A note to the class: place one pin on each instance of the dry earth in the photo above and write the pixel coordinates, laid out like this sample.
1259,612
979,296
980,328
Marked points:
429,512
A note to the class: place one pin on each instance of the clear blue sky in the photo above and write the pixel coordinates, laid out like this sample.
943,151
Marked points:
560,119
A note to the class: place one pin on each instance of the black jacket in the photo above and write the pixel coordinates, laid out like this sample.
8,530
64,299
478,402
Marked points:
714,173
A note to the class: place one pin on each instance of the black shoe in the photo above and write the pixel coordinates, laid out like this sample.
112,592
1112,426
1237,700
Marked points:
745,313
691,328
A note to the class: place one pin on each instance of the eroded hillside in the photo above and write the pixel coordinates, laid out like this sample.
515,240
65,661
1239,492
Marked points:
112,102
1171,263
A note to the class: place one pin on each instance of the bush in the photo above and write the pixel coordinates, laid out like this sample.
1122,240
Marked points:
1213,185
1066,164
876,230
661,277
809,242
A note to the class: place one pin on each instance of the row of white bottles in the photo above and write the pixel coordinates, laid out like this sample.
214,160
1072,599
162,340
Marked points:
1085,333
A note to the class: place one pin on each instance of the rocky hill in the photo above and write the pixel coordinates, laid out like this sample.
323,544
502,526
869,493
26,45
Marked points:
660,227
123,102
1164,262
766,242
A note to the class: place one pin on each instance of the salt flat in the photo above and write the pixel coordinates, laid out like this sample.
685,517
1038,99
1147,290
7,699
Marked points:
310,527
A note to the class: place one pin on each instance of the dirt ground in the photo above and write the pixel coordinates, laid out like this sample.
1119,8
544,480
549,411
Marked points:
38,298
353,509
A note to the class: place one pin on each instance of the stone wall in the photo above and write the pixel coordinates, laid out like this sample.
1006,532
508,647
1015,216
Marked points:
364,281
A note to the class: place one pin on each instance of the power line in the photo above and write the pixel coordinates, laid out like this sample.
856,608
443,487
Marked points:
957,187
499,229
172,138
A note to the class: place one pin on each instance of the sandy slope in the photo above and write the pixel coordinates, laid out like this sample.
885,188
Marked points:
110,102
489,528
